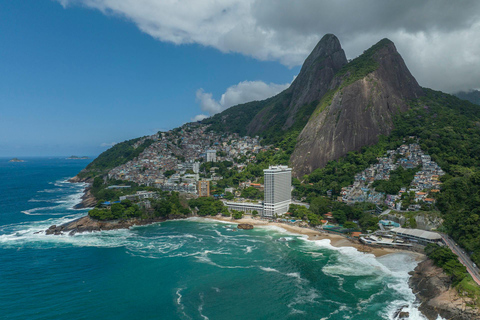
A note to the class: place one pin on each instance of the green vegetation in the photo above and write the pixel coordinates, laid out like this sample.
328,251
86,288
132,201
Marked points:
448,261
449,131
118,211
169,173
355,70
207,206
237,214
472,96
117,155
444,258
364,64
100,191
341,173
170,205
252,193
237,118
398,178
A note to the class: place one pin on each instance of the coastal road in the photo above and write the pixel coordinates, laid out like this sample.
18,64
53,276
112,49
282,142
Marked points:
463,257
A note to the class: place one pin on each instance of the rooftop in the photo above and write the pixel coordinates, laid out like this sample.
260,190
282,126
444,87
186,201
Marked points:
418,233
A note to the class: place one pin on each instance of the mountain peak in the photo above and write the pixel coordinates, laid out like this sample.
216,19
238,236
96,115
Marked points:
364,97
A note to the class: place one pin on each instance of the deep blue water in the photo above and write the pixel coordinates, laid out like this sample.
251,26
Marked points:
189,269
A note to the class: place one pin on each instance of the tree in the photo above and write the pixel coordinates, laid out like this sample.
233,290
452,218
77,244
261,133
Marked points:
237,214
350,225
254,213
117,210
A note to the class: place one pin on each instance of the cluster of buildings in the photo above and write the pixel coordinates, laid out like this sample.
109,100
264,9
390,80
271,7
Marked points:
277,194
172,162
410,156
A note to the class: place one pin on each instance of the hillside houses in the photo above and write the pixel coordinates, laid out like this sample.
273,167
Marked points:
172,161
426,180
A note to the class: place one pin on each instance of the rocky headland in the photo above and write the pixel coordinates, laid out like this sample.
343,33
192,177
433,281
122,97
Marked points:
87,224
433,288
88,200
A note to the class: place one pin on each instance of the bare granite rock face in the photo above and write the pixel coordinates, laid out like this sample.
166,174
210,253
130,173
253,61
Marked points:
358,113
88,200
433,288
318,70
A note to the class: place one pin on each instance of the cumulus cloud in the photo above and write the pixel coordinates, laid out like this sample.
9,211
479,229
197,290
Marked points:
106,144
243,92
438,38
199,117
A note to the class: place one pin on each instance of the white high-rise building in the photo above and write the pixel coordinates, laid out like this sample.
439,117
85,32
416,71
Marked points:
278,190
211,156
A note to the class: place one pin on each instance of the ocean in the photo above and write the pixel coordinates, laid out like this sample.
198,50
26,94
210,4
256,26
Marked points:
183,269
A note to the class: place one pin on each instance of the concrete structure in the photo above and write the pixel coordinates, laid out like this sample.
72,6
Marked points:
139,196
417,235
278,190
191,165
211,156
246,207
203,188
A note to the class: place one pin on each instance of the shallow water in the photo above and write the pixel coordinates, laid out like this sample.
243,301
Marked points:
187,269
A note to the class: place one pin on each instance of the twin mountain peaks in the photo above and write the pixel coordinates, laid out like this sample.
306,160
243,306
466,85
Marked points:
334,106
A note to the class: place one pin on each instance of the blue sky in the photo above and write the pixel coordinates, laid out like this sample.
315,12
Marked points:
74,79
78,75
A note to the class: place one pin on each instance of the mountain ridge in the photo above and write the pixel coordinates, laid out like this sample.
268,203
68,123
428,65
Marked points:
363,98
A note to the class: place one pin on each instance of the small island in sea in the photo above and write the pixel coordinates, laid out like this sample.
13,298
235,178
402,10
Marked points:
16,160
77,158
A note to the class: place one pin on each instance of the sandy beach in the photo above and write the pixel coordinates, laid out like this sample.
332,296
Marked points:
335,240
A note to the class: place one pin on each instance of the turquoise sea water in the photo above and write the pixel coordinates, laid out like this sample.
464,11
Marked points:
188,269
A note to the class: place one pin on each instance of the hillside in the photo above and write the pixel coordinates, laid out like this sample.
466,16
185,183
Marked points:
290,109
473,96
335,120
117,155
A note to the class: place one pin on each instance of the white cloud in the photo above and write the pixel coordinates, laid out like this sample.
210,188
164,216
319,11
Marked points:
199,117
438,38
245,91
106,144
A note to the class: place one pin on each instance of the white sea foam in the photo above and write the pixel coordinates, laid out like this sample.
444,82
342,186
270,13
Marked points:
248,249
392,268
179,302
200,307
267,269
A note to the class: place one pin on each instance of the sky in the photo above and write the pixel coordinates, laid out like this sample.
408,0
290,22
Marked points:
77,76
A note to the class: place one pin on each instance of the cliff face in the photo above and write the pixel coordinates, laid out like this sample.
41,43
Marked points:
358,112
310,85
433,288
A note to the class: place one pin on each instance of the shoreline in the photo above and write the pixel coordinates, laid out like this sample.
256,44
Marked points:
87,200
312,235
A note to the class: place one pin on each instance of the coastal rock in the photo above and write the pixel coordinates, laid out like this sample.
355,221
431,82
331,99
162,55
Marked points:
245,226
433,288
88,200
87,224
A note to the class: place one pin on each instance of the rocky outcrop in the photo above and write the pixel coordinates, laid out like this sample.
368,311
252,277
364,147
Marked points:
88,200
433,288
424,220
318,70
77,179
245,226
357,113
87,224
